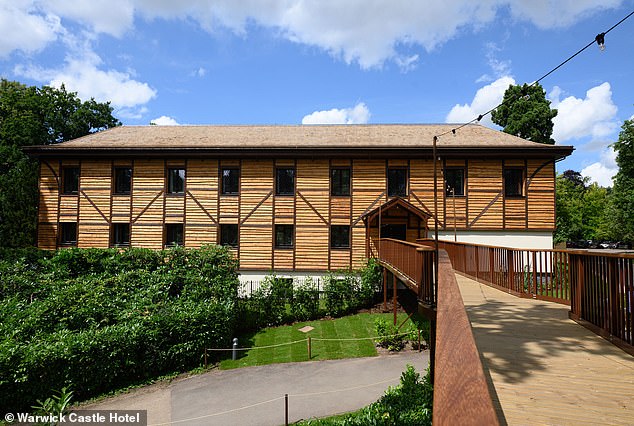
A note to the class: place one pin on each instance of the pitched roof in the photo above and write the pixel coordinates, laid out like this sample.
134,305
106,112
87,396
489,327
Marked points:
207,139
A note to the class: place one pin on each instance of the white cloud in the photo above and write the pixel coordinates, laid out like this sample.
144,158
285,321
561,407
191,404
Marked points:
200,72
557,13
112,17
603,170
594,116
359,114
164,120
22,29
83,75
485,98
367,32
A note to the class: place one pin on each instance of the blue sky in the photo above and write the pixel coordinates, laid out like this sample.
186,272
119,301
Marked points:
332,61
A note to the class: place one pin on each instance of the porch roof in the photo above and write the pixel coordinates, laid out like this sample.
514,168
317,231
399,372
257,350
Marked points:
396,202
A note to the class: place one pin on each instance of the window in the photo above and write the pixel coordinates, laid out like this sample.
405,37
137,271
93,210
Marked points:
122,180
120,236
454,182
230,181
340,182
173,234
397,182
284,236
285,181
340,236
229,235
513,182
175,181
70,180
68,234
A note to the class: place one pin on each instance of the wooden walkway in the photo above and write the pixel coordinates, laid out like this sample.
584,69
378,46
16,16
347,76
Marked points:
542,367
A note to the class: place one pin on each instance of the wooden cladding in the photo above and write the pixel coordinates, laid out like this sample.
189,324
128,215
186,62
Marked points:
311,210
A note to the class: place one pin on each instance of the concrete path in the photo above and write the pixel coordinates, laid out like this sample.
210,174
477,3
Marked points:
544,367
255,395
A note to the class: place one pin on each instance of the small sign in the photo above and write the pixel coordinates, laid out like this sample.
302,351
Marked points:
306,329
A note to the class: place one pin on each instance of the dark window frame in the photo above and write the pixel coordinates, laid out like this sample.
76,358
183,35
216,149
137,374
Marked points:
462,191
286,229
221,235
170,183
114,235
337,187
390,192
517,184
168,243
284,192
340,242
63,233
116,182
75,183
223,185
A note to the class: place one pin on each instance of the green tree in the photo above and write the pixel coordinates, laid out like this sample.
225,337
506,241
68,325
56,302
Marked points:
36,116
623,191
582,209
569,190
525,112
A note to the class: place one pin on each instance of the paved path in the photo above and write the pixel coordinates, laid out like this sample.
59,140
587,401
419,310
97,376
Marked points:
544,367
255,395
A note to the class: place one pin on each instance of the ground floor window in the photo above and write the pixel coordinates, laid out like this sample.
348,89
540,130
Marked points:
340,236
68,233
120,236
173,234
229,235
284,236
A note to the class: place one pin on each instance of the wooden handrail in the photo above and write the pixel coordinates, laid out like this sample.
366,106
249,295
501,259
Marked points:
461,393
598,286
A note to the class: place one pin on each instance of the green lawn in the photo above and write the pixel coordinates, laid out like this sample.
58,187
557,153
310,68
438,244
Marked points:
352,326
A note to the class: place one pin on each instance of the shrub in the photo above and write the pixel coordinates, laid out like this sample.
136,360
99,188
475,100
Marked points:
388,335
305,304
131,316
338,293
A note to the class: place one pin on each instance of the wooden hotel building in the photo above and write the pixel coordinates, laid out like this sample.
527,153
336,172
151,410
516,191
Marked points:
298,200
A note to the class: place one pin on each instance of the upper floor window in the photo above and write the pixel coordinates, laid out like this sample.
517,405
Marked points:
397,182
513,182
120,235
175,180
229,235
122,180
173,234
70,180
230,180
340,236
68,234
285,181
340,181
284,236
454,182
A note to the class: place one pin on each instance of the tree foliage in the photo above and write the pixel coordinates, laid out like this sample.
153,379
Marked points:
623,191
525,112
582,209
96,320
36,116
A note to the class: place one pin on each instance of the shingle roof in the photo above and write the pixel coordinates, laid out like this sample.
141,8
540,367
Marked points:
299,137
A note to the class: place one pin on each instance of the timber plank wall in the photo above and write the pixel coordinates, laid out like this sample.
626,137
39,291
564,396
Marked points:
312,210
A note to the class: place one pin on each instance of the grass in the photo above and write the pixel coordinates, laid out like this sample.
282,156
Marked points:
352,326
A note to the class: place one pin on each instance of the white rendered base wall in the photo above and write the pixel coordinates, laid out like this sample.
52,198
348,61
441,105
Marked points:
518,239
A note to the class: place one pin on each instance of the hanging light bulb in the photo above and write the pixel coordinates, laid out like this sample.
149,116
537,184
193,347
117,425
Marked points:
600,39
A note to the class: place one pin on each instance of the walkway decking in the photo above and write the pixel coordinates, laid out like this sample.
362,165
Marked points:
544,368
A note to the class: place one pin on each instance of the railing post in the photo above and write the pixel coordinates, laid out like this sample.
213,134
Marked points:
491,265
511,270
